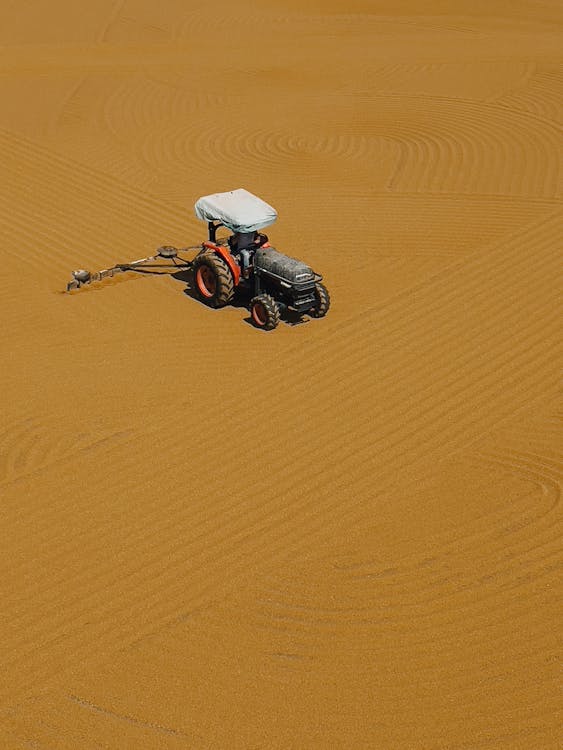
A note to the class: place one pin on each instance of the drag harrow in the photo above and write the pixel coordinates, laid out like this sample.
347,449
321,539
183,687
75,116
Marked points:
82,278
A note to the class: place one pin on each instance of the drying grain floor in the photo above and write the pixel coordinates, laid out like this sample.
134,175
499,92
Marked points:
343,534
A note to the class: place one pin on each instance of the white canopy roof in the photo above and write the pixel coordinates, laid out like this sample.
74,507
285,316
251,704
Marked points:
238,210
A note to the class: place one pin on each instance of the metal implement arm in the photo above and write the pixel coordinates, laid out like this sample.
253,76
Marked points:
82,277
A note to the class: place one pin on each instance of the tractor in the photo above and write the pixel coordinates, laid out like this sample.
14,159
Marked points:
244,263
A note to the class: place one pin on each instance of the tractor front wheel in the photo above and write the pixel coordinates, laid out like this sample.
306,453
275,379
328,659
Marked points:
265,312
213,280
323,301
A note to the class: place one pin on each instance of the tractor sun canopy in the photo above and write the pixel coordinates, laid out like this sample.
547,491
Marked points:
238,210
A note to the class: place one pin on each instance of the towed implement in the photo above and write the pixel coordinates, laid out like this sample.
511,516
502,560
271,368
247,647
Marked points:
244,264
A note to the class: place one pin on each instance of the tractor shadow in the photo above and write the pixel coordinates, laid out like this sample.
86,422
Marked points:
241,300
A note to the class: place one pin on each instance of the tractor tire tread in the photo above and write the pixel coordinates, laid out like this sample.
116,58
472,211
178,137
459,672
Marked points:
323,301
225,282
272,311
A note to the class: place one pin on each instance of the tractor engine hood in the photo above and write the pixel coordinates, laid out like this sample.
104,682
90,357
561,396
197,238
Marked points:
269,261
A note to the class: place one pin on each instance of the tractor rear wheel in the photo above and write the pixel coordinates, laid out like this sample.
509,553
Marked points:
213,280
265,312
323,301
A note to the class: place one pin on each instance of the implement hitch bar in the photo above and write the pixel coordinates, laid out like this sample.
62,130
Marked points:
81,277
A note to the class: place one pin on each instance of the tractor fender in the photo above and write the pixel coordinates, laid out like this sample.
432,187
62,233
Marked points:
227,257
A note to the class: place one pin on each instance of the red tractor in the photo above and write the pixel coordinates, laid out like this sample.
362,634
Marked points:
246,262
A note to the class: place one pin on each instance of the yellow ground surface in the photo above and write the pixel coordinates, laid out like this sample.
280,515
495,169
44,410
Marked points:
344,534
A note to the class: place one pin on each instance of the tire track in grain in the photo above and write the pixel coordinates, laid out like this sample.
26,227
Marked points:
29,445
484,141
159,728
195,23
477,80
30,169
105,187
245,148
115,11
389,615
390,598
541,95
476,137
496,574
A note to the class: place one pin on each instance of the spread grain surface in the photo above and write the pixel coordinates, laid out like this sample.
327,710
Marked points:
341,534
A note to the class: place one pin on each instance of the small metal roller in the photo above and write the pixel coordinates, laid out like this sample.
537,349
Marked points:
167,251
82,276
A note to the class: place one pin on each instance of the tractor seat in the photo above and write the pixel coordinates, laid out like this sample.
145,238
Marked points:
241,241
